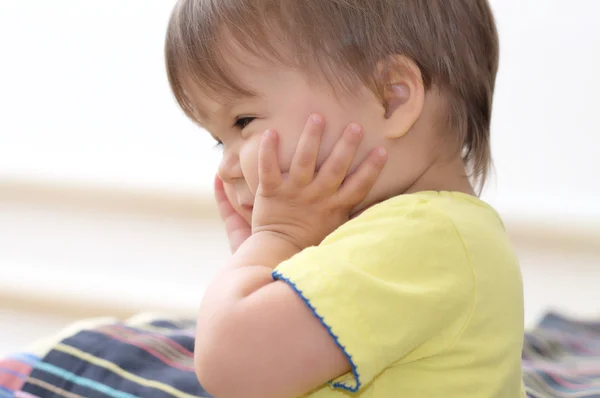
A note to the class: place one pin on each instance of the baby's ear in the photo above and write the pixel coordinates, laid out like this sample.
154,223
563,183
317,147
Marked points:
403,95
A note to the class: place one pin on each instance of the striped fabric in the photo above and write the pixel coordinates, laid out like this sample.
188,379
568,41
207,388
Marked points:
14,372
561,358
117,360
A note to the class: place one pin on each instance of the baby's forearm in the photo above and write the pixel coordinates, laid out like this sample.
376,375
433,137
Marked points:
248,270
221,320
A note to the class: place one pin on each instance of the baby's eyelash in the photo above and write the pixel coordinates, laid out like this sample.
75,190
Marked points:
219,144
243,121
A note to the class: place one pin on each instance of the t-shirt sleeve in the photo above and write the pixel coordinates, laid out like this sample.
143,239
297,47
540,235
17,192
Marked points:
390,286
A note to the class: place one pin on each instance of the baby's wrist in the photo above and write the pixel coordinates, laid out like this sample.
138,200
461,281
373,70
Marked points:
266,248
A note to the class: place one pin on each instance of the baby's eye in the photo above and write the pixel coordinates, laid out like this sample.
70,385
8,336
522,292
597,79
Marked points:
242,122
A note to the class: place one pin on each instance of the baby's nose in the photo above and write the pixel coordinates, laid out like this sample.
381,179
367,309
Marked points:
229,168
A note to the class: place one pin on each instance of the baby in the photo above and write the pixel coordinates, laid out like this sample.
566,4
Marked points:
363,262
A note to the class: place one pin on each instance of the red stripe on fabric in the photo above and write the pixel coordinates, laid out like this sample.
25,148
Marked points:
157,336
154,353
16,366
12,383
13,374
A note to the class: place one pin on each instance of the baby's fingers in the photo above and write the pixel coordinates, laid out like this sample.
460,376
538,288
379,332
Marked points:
269,173
357,186
303,166
225,208
335,168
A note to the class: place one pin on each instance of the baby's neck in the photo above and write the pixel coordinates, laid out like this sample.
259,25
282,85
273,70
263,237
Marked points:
441,176
444,175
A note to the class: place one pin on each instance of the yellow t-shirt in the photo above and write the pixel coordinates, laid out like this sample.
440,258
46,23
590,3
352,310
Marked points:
424,295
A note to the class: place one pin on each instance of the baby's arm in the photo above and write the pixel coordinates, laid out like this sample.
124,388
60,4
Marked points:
256,337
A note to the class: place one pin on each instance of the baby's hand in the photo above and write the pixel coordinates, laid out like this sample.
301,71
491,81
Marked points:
305,206
237,228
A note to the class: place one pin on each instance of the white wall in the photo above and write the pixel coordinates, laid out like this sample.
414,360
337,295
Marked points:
545,127
84,97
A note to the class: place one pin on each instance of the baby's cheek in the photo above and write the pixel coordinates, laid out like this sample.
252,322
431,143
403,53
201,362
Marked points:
288,145
249,162
287,148
249,157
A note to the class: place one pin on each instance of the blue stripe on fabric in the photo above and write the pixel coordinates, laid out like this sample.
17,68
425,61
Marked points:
28,359
277,275
57,381
73,378
131,363
12,373
130,358
28,356
576,389
5,392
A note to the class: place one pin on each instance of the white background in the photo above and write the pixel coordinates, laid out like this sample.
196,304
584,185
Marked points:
84,98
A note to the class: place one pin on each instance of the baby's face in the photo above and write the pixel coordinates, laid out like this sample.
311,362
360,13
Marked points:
283,102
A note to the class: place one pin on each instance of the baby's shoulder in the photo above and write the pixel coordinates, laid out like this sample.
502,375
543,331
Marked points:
423,228
420,216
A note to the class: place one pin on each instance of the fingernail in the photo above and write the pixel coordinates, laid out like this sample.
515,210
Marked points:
381,152
317,119
269,134
355,128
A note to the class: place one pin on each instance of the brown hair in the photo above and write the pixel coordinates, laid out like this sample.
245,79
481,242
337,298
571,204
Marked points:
453,42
